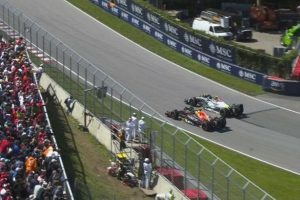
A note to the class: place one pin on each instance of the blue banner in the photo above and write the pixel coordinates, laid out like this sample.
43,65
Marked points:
198,48
281,86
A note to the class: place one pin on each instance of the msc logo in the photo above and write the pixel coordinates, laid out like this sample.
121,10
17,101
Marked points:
224,67
192,39
124,15
172,43
186,51
122,2
171,29
152,18
186,37
137,9
215,49
212,48
247,75
147,28
158,35
203,58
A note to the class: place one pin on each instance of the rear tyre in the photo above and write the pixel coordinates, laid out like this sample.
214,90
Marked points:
224,112
205,126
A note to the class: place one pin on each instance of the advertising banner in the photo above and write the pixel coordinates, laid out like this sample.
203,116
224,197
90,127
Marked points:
201,49
281,86
200,43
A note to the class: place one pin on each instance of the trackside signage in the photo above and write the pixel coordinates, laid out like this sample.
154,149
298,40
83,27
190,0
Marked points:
220,57
202,44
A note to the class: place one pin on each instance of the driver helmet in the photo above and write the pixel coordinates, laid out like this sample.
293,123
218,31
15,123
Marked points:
216,98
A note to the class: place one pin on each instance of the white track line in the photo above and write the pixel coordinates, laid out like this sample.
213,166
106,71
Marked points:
205,79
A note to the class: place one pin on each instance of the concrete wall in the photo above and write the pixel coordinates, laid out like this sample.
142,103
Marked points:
101,132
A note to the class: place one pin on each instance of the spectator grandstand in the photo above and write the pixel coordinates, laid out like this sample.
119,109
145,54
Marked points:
30,165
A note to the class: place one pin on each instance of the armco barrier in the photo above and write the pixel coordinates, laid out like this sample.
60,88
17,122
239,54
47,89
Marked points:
204,50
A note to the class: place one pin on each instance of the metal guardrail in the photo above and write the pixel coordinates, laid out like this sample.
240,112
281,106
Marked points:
200,168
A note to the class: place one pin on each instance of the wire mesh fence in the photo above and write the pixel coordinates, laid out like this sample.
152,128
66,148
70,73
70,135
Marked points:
195,166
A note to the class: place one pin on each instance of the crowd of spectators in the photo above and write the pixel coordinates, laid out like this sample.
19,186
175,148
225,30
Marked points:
29,158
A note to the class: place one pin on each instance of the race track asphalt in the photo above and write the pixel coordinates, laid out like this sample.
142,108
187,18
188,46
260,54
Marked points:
268,132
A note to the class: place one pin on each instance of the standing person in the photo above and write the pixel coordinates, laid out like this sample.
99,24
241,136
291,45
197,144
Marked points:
129,129
147,172
122,139
135,122
141,129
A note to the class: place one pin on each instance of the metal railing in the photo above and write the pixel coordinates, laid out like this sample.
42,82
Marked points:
105,97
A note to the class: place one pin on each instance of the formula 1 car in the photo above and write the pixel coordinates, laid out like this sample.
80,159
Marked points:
215,104
197,118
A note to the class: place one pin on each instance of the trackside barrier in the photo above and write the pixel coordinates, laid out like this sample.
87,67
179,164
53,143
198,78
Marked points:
281,86
200,168
218,56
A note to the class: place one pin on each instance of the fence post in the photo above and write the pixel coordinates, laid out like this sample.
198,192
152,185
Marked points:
199,167
244,190
37,38
71,68
213,178
185,162
43,47
13,24
174,145
161,143
228,184
19,24
63,65
121,104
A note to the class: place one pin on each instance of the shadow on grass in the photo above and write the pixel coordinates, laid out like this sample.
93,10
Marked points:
68,149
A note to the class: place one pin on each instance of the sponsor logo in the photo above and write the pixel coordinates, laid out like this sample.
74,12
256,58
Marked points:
152,18
215,49
124,15
146,28
247,75
192,39
135,21
203,59
224,67
122,2
171,29
186,51
104,4
158,35
171,43
277,86
115,10
136,9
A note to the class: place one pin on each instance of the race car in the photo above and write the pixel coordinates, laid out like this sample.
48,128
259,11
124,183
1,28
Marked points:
197,117
215,104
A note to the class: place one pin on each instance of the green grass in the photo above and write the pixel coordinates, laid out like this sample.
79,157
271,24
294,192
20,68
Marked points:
157,47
